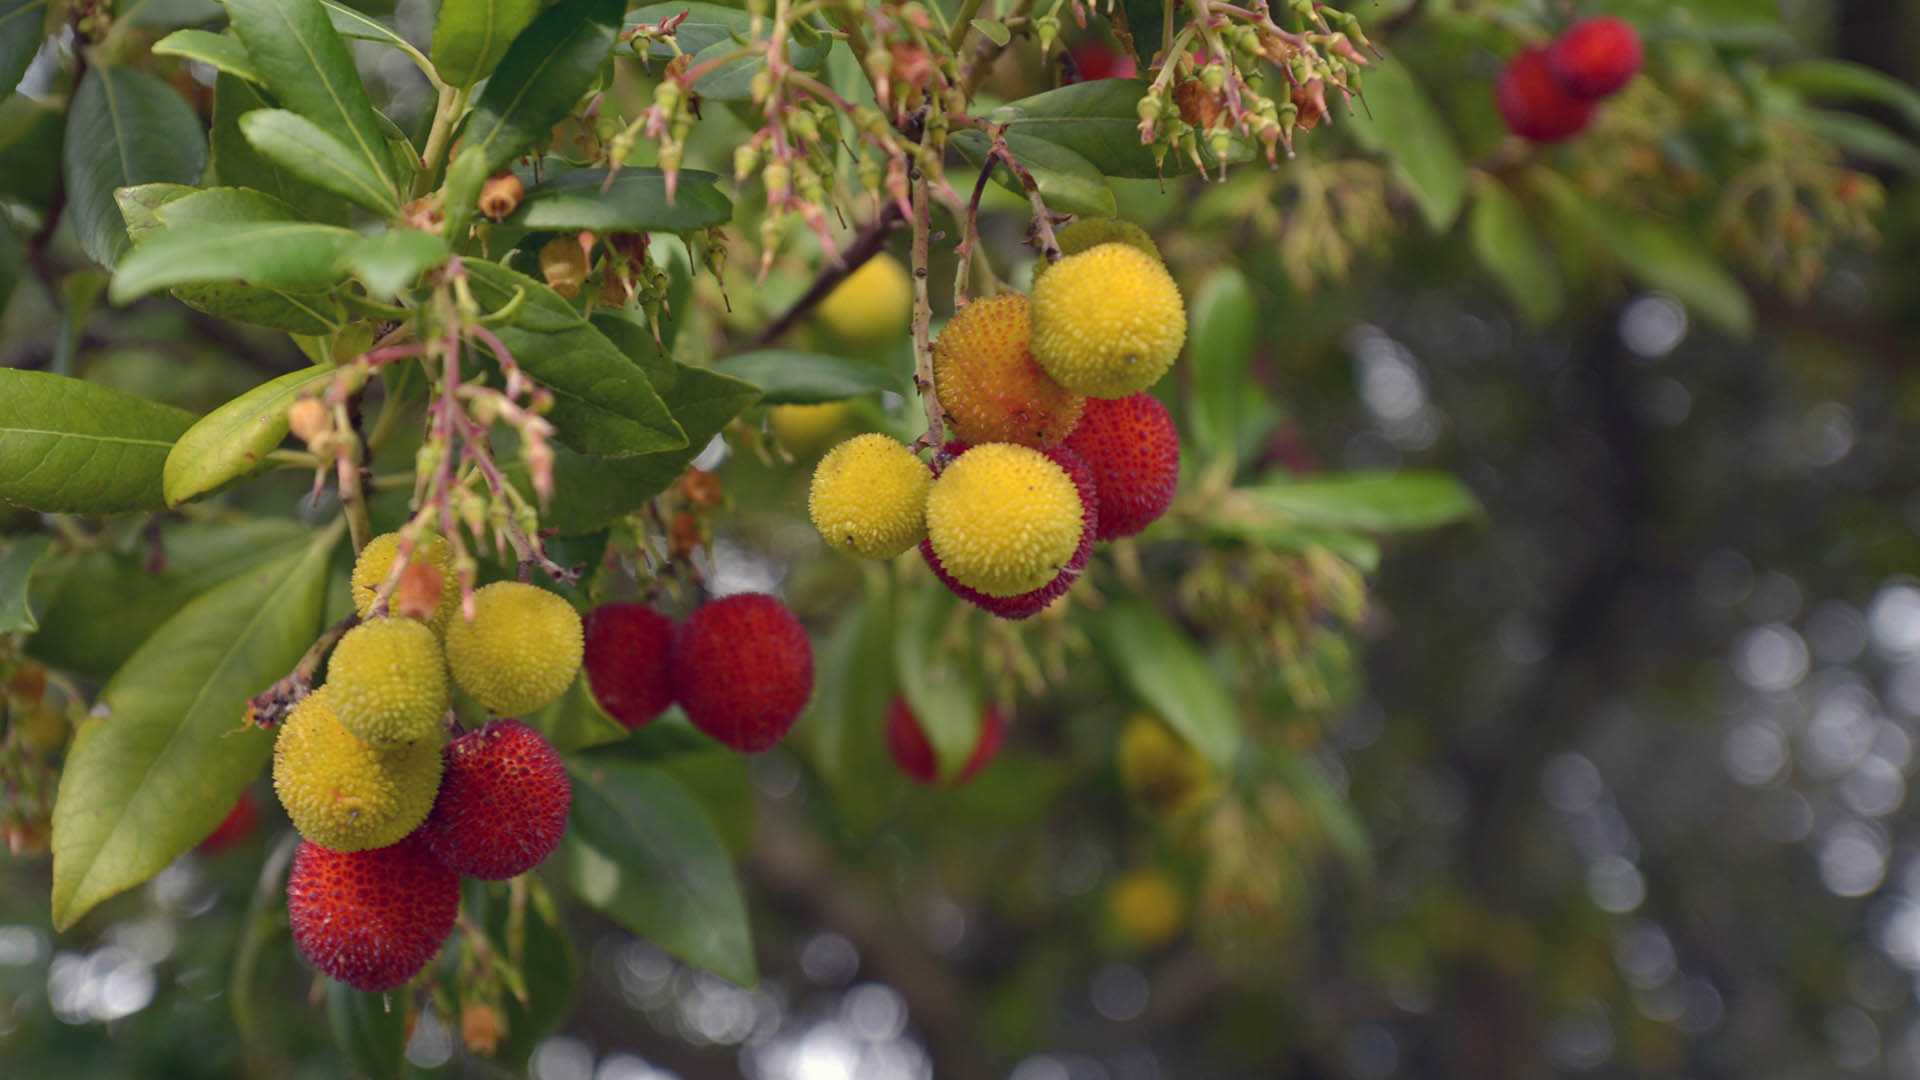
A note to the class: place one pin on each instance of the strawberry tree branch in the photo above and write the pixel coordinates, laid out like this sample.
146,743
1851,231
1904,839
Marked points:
923,318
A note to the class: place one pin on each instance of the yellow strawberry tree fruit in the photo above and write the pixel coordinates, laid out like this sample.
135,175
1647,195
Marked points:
376,561
520,650
1003,519
343,792
869,497
1147,907
873,304
1107,322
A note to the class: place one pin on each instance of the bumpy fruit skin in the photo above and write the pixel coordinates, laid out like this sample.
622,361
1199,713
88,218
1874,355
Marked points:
346,794
1108,321
1004,519
388,679
1092,232
1027,604
987,380
872,305
1533,104
743,670
503,803
1147,907
1162,771
519,652
914,754
1595,56
1133,451
376,560
626,662
371,919
869,497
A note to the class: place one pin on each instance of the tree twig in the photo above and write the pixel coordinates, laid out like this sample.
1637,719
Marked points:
871,241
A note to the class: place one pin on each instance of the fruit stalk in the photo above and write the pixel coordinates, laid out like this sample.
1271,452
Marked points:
923,319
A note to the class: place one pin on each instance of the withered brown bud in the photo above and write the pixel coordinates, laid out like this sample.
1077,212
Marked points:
501,194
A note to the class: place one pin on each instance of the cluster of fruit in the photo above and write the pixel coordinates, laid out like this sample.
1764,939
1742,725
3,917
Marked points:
1056,445
741,667
390,819
1548,93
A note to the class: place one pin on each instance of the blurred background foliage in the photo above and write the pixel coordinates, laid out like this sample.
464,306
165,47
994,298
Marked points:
1608,781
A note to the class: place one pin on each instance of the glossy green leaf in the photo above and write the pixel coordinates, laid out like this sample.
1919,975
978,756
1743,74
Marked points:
73,447
1865,139
1844,80
18,560
546,69
140,206
198,206
218,51
1143,18
237,164
13,263
168,748
466,175
711,31
637,202
591,492
788,377
125,127
943,690
1371,501
641,851
603,403
1507,247
275,309
350,23
1170,675
388,262
1225,322
306,67
470,36
1099,120
1401,122
1068,182
306,150
844,728
370,1031
113,601
1668,258
233,441
296,256
30,134
23,24
1346,834
1276,530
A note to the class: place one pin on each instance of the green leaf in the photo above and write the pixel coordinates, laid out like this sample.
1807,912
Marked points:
470,36
233,441
218,51
844,729
1507,246
1099,121
641,850
1170,675
30,134
711,31
1277,531
237,164
349,23
306,150
168,748
575,722
1865,139
787,377
545,70
1843,80
940,688
275,309
591,492
1370,501
1344,830
603,403
72,447
369,1029
306,67
1143,18
1406,127
1226,323
297,256
124,128
113,601
23,24
1068,182
637,202
995,32
1667,258
18,558
550,968
389,262
174,205
13,263
466,175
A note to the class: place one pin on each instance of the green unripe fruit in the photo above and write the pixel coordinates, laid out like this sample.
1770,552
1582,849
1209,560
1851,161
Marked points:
389,681
346,794
520,650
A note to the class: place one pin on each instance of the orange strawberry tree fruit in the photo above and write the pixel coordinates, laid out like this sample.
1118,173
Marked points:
486,468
